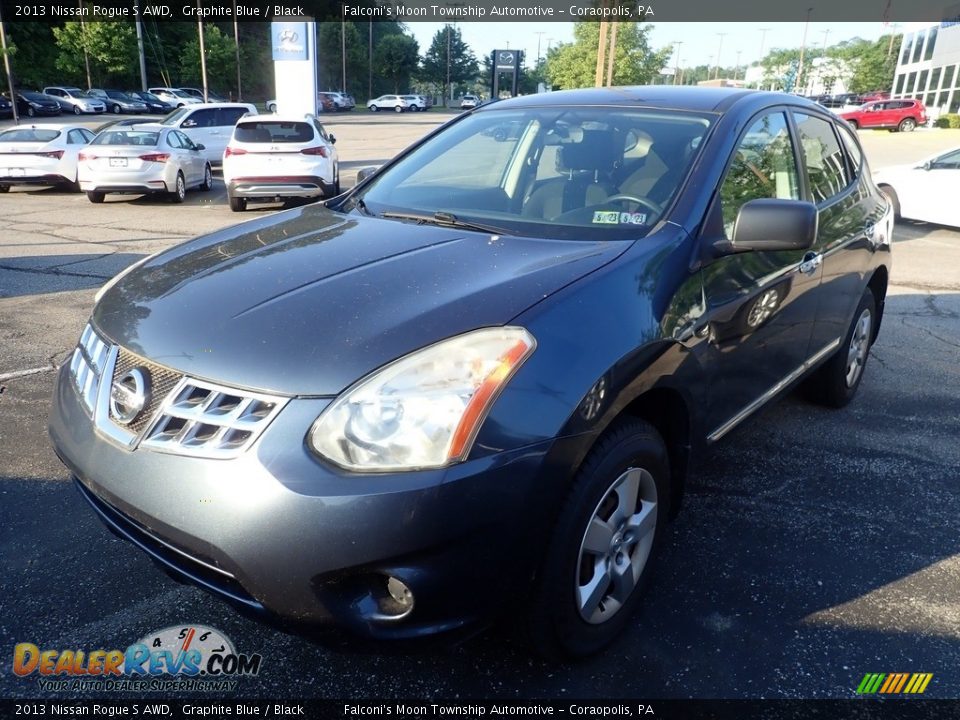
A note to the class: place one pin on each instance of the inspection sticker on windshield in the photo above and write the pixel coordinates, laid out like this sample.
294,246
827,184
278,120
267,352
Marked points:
612,217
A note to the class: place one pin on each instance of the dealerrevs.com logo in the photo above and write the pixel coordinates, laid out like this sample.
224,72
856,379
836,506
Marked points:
190,657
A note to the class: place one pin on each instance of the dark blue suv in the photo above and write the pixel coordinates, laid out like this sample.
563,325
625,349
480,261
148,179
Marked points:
475,381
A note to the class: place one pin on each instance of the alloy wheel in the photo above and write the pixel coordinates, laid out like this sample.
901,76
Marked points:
616,545
859,346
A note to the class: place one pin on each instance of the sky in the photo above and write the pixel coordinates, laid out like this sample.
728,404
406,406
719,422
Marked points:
700,41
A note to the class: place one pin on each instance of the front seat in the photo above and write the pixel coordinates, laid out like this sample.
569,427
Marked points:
585,168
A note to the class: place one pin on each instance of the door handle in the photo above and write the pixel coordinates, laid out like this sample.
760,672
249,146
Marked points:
811,261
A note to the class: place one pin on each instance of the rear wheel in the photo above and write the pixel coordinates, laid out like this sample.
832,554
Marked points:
4,188
399,108
179,192
237,204
907,125
272,107
836,382
95,196
207,184
598,558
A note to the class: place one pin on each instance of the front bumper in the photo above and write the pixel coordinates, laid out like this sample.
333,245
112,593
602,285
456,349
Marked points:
279,531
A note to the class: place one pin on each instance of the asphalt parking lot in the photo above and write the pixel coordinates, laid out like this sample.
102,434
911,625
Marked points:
814,546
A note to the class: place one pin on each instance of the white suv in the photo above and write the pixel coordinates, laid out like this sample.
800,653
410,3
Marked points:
469,102
387,102
177,98
271,157
209,124
416,103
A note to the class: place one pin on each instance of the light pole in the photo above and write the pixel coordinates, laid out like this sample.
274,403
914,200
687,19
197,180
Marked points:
719,50
448,90
763,38
539,37
736,70
203,54
6,64
803,47
236,48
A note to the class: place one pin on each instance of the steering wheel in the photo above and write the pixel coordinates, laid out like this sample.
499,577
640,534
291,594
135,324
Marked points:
649,204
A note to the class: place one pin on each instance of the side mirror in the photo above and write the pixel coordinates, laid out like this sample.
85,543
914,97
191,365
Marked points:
365,172
200,146
927,165
332,139
769,224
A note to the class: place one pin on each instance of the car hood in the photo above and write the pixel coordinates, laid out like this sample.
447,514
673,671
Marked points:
308,301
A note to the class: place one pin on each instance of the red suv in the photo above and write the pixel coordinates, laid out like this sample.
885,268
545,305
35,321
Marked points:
903,115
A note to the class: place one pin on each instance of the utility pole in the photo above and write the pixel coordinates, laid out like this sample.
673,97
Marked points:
369,60
143,62
601,53
803,47
736,70
539,37
343,54
203,55
6,64
448,90
676,62
236,47
763,38
612,53
719,50
86,55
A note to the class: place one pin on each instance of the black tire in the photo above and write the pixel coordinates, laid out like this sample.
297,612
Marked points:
4,188
207,184
237,204
854,124
556,621
832,384
374,108
95,196
272,107
336,183
76,110
117,109
893,199
907,125
31,112
179,192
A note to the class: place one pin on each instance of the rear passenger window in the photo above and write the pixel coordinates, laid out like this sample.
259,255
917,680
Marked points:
853,150
173,140
229,116
763,166
822,156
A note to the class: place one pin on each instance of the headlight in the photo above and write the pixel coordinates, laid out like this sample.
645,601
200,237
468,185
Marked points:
424,410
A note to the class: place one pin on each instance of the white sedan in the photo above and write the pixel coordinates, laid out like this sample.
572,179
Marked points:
143,159
926,190
41,155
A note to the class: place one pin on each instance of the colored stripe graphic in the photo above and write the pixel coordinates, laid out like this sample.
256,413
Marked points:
894,683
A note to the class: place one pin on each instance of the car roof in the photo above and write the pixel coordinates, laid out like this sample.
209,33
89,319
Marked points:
685,97
48,126
275,118
201,106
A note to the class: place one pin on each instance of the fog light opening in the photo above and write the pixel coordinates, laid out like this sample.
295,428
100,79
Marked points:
398,601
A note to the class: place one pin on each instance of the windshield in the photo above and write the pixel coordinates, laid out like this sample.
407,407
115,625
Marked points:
126,137
176,116
181,94
547,172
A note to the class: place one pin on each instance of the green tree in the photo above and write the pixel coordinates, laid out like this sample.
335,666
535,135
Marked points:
872,63
31,62
111,47
573,65
221,59
449,53
397,58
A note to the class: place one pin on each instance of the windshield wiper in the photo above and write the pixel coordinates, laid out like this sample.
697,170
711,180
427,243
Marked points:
445,219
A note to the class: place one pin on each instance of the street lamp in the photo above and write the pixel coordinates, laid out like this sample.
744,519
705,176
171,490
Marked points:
676,65
719,50
803,47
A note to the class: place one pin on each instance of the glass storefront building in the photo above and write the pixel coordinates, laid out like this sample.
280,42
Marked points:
929,65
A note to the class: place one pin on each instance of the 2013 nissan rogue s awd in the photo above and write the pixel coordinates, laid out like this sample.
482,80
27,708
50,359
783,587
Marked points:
474,382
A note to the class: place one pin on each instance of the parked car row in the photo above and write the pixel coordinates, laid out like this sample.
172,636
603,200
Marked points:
264,157
57,99
845,99
326,102
399,103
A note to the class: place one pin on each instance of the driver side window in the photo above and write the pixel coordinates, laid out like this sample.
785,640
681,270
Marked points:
763,166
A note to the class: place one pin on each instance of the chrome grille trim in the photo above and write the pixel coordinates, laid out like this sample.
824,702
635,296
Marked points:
87,365
203,419
162,382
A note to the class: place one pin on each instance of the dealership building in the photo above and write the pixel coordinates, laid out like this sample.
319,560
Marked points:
929,65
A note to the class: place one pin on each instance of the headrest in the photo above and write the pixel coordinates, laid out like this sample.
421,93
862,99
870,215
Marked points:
596,151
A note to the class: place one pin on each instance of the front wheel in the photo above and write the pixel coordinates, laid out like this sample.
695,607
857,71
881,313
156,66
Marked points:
399,108
117,109
854,124
891,195
836,382
76,110
374,108
598,558
907,125
4,188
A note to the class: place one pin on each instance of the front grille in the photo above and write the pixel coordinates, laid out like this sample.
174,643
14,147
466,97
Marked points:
87,365
207,420
162,381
